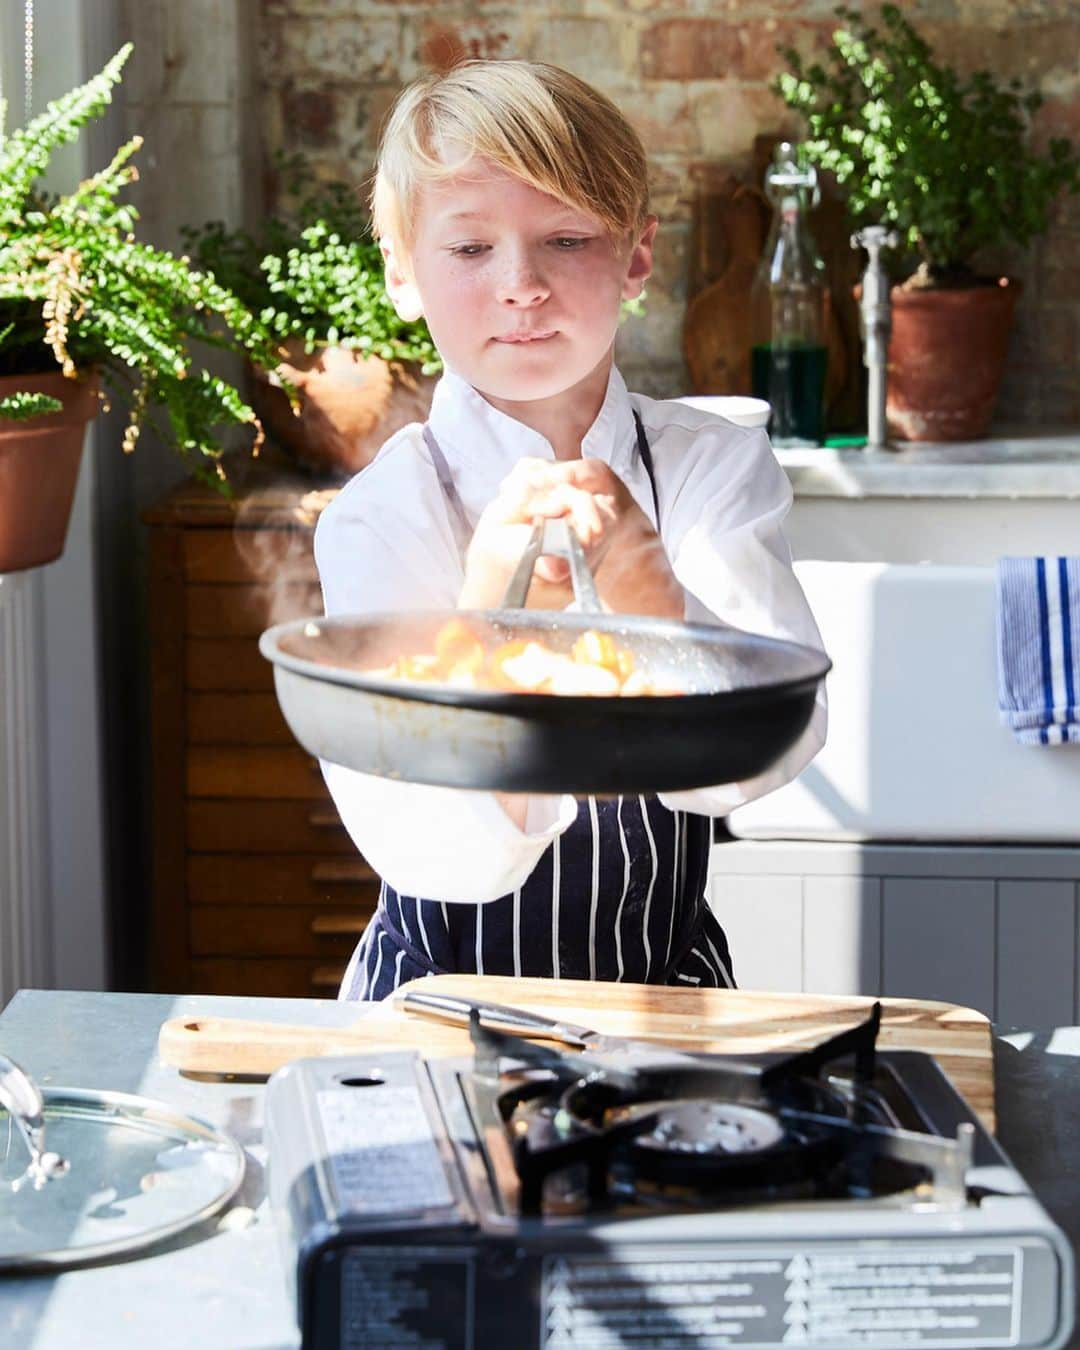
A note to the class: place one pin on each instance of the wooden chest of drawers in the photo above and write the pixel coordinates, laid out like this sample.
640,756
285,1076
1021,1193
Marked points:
257,889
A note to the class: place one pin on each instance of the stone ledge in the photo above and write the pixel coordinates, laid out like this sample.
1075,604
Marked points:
1041,464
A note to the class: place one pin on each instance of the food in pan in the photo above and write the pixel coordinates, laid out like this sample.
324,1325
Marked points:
596,664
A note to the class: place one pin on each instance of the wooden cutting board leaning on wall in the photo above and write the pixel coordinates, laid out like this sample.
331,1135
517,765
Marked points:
719,1021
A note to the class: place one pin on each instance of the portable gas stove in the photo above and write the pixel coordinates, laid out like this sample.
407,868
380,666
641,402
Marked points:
538,1199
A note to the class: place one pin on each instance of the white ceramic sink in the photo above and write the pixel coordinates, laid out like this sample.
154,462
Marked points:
915,749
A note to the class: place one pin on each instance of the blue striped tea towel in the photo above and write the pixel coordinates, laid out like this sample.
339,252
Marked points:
1038,631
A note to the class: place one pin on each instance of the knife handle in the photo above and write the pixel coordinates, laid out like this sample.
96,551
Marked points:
494,1016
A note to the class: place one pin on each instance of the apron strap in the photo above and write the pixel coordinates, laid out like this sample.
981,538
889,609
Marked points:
646,459
459,520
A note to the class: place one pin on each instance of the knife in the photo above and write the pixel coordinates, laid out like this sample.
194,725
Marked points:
520,1022
513,1021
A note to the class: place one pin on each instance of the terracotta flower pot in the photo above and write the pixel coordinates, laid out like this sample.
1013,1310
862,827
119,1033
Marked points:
349,405
39,469
946,356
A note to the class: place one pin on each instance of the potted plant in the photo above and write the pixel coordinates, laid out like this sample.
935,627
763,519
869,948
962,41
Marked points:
88,312
314,276
945,161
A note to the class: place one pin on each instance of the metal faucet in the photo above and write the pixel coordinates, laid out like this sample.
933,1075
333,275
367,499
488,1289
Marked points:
875,318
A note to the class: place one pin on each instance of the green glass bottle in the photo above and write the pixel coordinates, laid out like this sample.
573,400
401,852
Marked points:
789,358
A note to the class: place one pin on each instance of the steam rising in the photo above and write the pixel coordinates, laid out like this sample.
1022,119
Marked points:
280,560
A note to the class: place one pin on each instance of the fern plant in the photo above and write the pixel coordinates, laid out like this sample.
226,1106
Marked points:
943,159
79,292
314,273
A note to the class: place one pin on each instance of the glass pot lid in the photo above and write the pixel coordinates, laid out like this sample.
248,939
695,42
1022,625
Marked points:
86,1175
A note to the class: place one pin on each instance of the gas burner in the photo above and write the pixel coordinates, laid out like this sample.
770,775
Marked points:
680,1128
703,1128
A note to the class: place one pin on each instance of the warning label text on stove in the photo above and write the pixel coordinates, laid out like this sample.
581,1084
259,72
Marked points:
918,1296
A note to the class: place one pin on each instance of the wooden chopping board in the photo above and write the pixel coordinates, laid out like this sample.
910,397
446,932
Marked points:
717,327
721,1021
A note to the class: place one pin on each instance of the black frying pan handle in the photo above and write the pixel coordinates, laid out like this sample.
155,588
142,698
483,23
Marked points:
554,538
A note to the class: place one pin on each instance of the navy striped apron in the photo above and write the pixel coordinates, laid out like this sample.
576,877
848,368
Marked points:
619,895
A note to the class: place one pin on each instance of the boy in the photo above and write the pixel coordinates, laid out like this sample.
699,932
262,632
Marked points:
511,204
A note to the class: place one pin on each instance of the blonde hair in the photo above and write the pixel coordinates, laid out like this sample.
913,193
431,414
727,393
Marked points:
539,123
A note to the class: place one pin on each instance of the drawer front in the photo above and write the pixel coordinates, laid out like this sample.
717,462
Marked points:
252,825
236,719
244,611
222,771
267,977
281,879
266,555
227,663
276,930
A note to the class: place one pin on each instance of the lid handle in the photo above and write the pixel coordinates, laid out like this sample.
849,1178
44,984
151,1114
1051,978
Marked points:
21,1098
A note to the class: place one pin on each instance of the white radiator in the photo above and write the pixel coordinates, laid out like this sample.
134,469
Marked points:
24,937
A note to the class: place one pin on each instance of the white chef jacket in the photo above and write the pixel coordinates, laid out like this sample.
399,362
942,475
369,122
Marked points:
386,543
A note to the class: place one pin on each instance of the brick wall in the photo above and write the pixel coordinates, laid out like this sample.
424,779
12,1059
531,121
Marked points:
693,77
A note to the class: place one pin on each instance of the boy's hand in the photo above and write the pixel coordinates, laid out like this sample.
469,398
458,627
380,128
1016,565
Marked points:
535,489
624,553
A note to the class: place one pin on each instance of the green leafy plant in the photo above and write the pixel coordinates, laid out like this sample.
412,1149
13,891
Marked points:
942,159
21,407
79,292
314,273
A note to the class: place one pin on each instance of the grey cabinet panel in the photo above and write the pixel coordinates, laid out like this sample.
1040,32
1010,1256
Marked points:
784,857
1036,957
994,927
842,935
762,917
938,941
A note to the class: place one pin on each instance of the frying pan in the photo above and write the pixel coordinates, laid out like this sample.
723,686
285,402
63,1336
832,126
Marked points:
745,698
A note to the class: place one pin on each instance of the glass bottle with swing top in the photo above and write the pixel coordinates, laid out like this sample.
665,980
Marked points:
789,357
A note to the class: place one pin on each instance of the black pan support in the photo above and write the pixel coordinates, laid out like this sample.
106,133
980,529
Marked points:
793,1087
745,700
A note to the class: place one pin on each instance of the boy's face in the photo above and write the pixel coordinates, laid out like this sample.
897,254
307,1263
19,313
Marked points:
521,291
